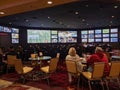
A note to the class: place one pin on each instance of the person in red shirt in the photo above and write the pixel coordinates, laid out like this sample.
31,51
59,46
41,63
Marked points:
98,56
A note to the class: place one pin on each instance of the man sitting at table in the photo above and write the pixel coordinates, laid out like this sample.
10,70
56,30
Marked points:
98,56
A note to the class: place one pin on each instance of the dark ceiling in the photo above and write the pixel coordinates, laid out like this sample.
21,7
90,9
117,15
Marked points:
77,15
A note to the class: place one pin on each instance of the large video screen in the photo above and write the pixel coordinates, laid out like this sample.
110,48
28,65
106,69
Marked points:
67,36
38,36
114,30
105,30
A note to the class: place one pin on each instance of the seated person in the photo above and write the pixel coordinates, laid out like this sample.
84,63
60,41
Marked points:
99,56
11,52
3,65
72,55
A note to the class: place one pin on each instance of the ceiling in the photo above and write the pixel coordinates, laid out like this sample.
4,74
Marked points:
62,14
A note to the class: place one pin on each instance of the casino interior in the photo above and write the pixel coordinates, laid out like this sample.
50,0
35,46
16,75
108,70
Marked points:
37,37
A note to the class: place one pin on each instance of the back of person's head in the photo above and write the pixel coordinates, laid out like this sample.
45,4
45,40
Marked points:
98,50
72,51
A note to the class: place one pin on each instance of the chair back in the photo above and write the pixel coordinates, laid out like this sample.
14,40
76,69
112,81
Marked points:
40,54
18,66
98,70
53,65
71,66
114,69
33,55
58,55
11,59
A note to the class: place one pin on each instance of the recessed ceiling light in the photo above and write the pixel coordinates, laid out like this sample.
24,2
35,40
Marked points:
112,16
76,13
83,20
48,17
2,13
49,2
115,6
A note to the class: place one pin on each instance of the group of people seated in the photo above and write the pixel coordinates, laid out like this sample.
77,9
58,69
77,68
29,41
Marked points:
98,56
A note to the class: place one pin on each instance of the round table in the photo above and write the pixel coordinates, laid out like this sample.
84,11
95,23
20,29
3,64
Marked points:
39,60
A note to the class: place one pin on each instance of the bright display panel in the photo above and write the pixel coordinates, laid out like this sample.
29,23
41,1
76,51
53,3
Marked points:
67,36
38,36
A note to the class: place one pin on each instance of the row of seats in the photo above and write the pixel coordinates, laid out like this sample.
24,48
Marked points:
97,73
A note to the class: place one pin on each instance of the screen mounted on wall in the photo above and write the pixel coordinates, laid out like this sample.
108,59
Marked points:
67,36
38,36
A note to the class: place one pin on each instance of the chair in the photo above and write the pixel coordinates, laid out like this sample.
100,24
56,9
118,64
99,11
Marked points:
40,54
72,69
48,70
10,61
22,70
114,73
33,62
58,55
96,74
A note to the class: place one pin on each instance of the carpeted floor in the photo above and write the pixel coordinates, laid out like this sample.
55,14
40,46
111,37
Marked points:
58,81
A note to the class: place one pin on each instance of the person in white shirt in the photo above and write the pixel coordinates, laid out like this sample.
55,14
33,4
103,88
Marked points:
72,55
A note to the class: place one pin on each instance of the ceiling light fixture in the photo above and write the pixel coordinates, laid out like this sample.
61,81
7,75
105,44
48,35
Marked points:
2,13
115,6
49,2
76,13
112,16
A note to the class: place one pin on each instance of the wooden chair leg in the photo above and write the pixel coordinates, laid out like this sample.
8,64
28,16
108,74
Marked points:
102,84
89,85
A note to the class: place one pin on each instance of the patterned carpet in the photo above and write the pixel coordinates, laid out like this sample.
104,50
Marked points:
7,85
58,81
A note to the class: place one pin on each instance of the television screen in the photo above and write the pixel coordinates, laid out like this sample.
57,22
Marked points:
7,29
91,35
54,32
1,29
15,35
114,39
15,30
105,30
91,31
98,40
84,36
90,40
84,32
114,30
105,35
53,36
84,40
105,39
54,40
97,35
38,36
98,31
15,40
114,35
67,36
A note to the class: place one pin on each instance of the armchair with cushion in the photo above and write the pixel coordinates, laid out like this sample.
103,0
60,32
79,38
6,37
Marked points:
48,70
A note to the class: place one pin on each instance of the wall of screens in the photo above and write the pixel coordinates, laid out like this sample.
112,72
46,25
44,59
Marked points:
99,35
51,36
13,31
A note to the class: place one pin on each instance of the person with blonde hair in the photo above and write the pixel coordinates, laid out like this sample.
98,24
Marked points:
98,56
72,55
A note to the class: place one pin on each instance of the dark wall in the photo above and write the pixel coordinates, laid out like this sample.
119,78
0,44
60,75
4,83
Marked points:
5,40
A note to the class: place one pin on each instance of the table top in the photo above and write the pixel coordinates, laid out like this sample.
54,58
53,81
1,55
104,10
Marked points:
115,57
41,58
